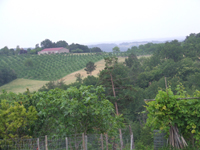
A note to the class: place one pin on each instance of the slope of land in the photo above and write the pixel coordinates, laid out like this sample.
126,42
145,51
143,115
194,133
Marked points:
20,85
100,66
47,67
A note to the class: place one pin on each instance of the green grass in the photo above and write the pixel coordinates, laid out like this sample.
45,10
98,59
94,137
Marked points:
20,85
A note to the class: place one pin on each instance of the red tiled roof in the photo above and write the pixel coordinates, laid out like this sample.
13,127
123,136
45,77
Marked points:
52,49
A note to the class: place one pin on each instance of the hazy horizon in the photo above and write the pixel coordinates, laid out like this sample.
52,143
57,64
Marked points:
27,23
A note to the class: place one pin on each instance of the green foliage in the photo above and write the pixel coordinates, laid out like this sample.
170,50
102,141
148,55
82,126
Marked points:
110,62
117,82
146,49
132,60
15,119
46,43
7,75
78,110
116,49
52,85
90,80
90,67
95,49
78,50
73,46
6,52
61,43
28,63
191,46
78,77
172,50
167,111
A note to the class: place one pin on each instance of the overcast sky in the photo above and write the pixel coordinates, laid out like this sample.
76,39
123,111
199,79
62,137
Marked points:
28,22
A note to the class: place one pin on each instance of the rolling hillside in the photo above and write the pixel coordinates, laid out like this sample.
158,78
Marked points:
20,85
47,67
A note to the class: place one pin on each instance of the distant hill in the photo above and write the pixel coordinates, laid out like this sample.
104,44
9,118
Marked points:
107,47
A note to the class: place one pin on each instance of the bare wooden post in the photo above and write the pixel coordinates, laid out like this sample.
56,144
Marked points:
106,141
66,143
46,144
83,141
101,141
38,143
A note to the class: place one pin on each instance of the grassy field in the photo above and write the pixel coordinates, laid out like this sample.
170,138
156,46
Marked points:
20,85
100,66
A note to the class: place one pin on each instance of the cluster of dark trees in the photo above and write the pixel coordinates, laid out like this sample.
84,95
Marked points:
7,75
145,49
49,44
7,52
73,48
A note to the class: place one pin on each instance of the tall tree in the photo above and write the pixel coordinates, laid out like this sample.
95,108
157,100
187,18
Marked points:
4,51
61,44
46,44
79,46
95,49
116,49
37,46
107,76
78,77
17,50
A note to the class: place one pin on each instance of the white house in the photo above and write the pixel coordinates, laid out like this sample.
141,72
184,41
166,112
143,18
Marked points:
53,50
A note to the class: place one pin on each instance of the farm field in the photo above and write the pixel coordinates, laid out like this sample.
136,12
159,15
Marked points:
47,67
19,85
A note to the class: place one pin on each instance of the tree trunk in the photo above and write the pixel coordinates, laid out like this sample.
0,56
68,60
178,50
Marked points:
120,132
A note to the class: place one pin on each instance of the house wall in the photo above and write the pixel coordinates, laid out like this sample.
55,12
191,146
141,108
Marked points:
63,50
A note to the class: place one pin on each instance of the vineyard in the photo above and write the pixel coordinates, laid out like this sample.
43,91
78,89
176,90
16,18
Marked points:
50,67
